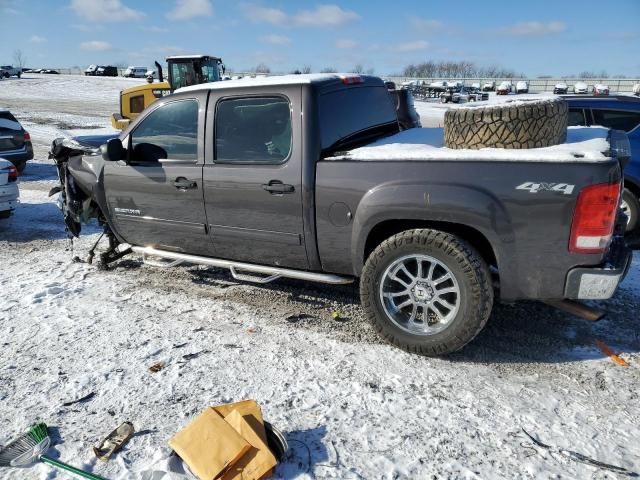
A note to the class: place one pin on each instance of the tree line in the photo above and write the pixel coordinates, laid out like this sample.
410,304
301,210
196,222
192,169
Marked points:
461,69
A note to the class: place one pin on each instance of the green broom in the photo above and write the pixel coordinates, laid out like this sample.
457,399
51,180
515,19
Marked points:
30,447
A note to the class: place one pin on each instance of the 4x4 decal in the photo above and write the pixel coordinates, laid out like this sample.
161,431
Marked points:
535,187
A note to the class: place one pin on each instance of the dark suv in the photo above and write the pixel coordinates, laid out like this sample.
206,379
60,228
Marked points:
15,142
621,112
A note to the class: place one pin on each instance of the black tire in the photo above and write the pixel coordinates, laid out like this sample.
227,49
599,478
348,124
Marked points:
632,209
468,268
20,166
5,214
536,123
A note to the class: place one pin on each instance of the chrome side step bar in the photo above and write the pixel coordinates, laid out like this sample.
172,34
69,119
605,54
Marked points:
273,273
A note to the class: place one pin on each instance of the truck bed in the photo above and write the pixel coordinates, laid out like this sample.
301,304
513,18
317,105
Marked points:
583,144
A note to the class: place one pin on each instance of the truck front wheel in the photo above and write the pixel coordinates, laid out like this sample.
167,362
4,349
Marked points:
426,291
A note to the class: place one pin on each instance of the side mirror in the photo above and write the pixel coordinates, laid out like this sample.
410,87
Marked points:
112,151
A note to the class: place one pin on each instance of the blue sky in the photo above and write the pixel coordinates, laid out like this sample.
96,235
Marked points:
555,37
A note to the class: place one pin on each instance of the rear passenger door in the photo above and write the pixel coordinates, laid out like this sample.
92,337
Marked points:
252,179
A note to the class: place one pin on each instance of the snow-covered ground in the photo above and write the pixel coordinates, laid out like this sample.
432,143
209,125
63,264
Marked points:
350,406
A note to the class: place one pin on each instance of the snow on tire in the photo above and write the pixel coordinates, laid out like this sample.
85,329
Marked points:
518,124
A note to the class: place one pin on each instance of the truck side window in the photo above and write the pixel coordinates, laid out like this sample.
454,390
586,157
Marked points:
576,117
169,132
253,130
617,119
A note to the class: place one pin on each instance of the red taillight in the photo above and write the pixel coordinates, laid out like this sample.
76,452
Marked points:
351,79
594,218
13,173
27,137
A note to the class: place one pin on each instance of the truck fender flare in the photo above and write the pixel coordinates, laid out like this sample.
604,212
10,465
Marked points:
443,202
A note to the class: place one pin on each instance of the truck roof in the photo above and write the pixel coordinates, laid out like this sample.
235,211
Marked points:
274,80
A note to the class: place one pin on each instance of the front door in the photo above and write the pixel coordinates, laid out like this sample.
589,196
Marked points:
253,192
155,198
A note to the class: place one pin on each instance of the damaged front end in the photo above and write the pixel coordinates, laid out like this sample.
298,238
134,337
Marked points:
79,164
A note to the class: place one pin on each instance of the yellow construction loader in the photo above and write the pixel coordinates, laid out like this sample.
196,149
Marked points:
184,70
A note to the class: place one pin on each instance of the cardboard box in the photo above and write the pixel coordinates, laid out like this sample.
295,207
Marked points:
226,442
209,445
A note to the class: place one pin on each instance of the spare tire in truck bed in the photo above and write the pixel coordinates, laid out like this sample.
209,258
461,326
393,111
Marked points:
518,124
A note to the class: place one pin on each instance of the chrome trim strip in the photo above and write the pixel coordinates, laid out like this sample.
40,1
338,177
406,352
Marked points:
249,267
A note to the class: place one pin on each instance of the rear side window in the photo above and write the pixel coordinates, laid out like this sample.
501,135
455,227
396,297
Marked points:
253,130
576,117
616,119
169,132
347,111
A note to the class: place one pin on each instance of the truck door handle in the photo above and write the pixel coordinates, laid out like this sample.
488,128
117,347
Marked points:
276,186
182,183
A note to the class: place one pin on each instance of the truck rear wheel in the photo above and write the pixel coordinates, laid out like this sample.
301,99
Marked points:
631,207
426,291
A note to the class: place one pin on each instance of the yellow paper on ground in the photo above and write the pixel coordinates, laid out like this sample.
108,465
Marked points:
255,463
209,445
251,412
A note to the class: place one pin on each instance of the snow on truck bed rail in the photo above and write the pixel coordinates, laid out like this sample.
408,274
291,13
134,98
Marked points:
583,144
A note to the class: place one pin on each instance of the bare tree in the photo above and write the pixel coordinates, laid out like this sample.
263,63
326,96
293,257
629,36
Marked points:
306,69
358,68
370,71
328,70
262,68
19,59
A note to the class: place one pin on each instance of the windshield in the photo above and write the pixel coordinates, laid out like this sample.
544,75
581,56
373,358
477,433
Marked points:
210,71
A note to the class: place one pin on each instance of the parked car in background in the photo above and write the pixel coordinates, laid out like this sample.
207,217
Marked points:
8,188
90,71
476,86
522,87
580,88
489,86
107,71
15,141
9,71
504,88
135,72
561,88
600,89
636,89
620,112
50,71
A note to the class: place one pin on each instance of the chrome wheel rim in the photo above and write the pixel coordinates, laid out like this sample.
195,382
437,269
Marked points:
624,206
420,294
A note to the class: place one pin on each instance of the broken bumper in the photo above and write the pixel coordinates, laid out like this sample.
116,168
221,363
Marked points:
599,283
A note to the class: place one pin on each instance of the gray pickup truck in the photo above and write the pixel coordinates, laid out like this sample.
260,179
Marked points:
309,177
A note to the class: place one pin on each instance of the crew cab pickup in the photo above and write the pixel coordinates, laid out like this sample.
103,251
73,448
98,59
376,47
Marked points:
308,177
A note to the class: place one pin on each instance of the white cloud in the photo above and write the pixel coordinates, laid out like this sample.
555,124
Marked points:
96,46
346,44
526,29
186,9
37,39
325,15
156,29
276,39
321,16
425,24
411,46
104,10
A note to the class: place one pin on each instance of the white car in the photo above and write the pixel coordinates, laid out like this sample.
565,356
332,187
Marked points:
522,87
504,88
560,88
438,84
580,87
489,86
135,72
8,188
600,89
636,89
475,86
